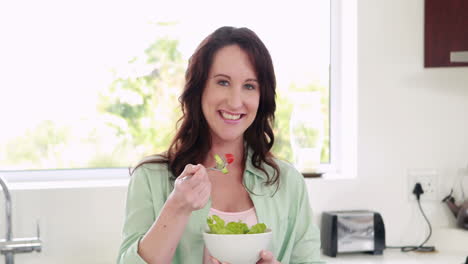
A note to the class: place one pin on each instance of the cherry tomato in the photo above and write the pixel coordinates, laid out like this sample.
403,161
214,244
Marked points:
229,158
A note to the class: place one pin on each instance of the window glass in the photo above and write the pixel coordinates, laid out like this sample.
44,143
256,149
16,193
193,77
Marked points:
93,84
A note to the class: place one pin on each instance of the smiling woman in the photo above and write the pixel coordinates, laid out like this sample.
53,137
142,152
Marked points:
228,105
102,91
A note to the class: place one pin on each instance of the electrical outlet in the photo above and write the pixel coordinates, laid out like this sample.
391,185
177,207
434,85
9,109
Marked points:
429,180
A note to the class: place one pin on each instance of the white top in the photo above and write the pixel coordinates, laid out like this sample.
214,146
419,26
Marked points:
248,216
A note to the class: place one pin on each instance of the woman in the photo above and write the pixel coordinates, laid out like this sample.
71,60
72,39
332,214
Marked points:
228,106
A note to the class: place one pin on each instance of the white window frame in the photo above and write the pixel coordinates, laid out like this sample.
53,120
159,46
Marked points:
343,91
343,126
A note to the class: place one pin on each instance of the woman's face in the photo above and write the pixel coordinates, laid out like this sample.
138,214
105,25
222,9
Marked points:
231,95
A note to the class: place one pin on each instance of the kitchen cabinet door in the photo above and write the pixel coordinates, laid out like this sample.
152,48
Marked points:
445,33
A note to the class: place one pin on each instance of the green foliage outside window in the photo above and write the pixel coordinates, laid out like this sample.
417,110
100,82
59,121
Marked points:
139,113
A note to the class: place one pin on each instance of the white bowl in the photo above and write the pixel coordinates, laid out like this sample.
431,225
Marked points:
237,249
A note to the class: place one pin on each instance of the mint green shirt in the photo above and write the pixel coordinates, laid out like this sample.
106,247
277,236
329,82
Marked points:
295,238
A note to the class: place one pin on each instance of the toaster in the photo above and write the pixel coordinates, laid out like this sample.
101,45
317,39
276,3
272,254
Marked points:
352,231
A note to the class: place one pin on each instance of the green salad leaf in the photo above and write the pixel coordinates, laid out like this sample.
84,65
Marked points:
258,228
218,226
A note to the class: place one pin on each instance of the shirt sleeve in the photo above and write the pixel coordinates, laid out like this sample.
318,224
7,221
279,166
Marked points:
139,214
307,245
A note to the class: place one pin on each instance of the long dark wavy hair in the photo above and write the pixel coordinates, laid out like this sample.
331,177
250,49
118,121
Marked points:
191,142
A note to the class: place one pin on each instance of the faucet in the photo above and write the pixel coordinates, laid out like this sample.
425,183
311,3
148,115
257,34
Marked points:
10,246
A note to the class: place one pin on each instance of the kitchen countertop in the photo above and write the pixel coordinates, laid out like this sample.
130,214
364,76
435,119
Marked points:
395,256
451,244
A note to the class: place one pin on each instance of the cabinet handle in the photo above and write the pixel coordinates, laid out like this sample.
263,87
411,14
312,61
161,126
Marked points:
459,56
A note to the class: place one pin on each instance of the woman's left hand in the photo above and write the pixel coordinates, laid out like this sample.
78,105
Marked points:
267,258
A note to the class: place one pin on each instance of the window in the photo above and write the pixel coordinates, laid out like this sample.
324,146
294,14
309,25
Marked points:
95,84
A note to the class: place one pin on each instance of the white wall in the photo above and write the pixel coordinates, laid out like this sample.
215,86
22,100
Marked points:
409,117
78,225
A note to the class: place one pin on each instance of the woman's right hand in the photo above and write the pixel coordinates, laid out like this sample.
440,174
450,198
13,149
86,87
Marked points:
192,189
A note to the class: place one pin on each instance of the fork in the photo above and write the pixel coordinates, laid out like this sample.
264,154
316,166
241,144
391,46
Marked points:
221,165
